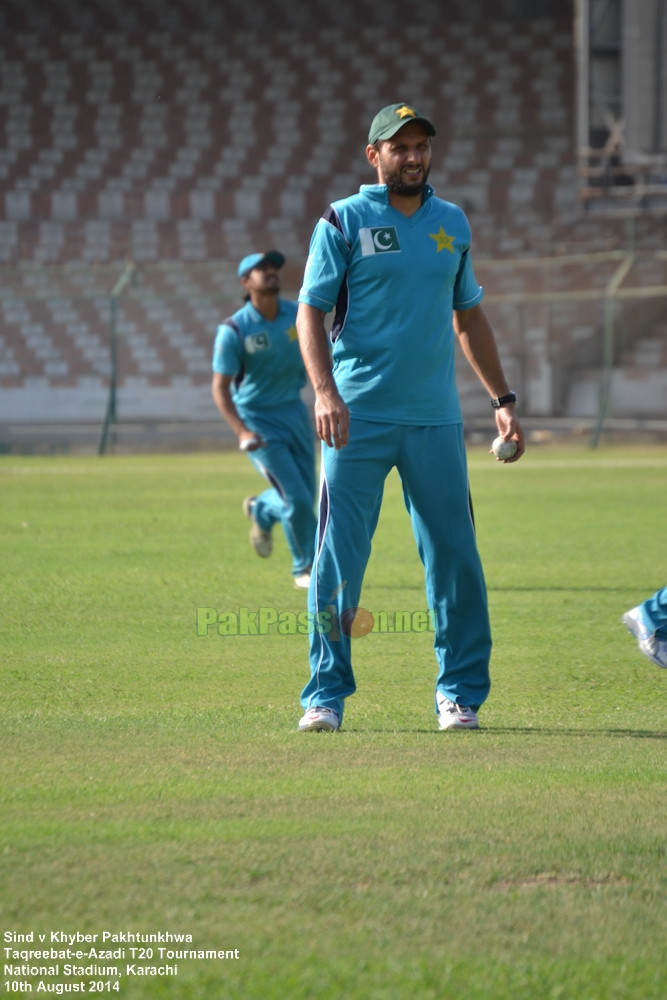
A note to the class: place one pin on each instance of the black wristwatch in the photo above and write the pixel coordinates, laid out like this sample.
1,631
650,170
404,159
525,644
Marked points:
499,401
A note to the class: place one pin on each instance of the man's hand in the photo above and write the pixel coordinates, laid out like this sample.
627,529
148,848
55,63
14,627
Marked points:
250,441
332,419
509,429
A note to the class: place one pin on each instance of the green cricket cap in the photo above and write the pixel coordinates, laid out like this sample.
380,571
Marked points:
388,121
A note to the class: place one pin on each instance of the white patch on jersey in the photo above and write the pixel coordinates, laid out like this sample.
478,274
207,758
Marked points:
379,239
256,342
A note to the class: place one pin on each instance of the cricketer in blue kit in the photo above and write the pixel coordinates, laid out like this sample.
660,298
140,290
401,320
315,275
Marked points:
648,624
393,262
258,374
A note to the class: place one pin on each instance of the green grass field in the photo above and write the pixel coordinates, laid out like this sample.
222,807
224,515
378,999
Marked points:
153,781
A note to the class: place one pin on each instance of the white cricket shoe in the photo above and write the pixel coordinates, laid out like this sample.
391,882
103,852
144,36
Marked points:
261,540
649,644
454,716
302,580
319,720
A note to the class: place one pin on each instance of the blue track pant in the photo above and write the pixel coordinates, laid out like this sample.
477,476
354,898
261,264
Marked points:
654,613
288,463
431,462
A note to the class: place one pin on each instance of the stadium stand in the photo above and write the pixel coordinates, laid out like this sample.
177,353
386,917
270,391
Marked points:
181,135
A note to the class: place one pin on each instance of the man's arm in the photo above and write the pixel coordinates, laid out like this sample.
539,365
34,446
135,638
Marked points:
332,419
222,395
481,351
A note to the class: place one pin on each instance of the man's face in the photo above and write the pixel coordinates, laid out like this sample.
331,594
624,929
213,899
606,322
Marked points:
263,278
403,162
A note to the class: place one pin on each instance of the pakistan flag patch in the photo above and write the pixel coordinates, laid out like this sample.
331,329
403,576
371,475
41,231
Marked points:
383,239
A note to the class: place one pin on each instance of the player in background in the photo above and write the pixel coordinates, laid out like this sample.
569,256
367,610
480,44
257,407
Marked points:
394,262
648,624
258,374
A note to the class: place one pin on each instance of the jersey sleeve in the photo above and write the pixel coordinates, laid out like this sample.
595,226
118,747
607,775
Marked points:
326,265
227,351
467,292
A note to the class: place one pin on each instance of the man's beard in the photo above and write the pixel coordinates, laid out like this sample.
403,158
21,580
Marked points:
396,184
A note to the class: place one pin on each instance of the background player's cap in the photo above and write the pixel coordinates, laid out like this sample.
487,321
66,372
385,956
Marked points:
255,259
388,121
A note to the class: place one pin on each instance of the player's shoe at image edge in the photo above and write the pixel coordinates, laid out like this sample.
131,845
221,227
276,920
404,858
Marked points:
261,540
319,720
649,644
454,716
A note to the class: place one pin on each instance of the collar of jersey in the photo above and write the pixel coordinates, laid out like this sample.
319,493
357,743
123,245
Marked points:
378,192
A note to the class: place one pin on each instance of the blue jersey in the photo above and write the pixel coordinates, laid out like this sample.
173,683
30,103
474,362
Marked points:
262,356
394,282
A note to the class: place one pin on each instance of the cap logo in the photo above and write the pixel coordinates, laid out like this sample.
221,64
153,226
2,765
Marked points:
405,112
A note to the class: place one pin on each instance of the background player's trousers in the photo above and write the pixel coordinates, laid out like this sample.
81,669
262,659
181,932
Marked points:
288,463
654,612
431,462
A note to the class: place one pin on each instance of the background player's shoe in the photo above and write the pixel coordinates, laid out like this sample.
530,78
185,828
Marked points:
261,540
319,720
649,644
453,716
302,580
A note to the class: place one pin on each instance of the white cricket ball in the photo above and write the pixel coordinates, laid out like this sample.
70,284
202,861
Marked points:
503,449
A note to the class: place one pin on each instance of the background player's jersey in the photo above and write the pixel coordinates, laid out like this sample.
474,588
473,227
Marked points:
394,282
262,355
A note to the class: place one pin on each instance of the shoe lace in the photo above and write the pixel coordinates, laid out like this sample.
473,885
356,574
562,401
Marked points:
453,706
